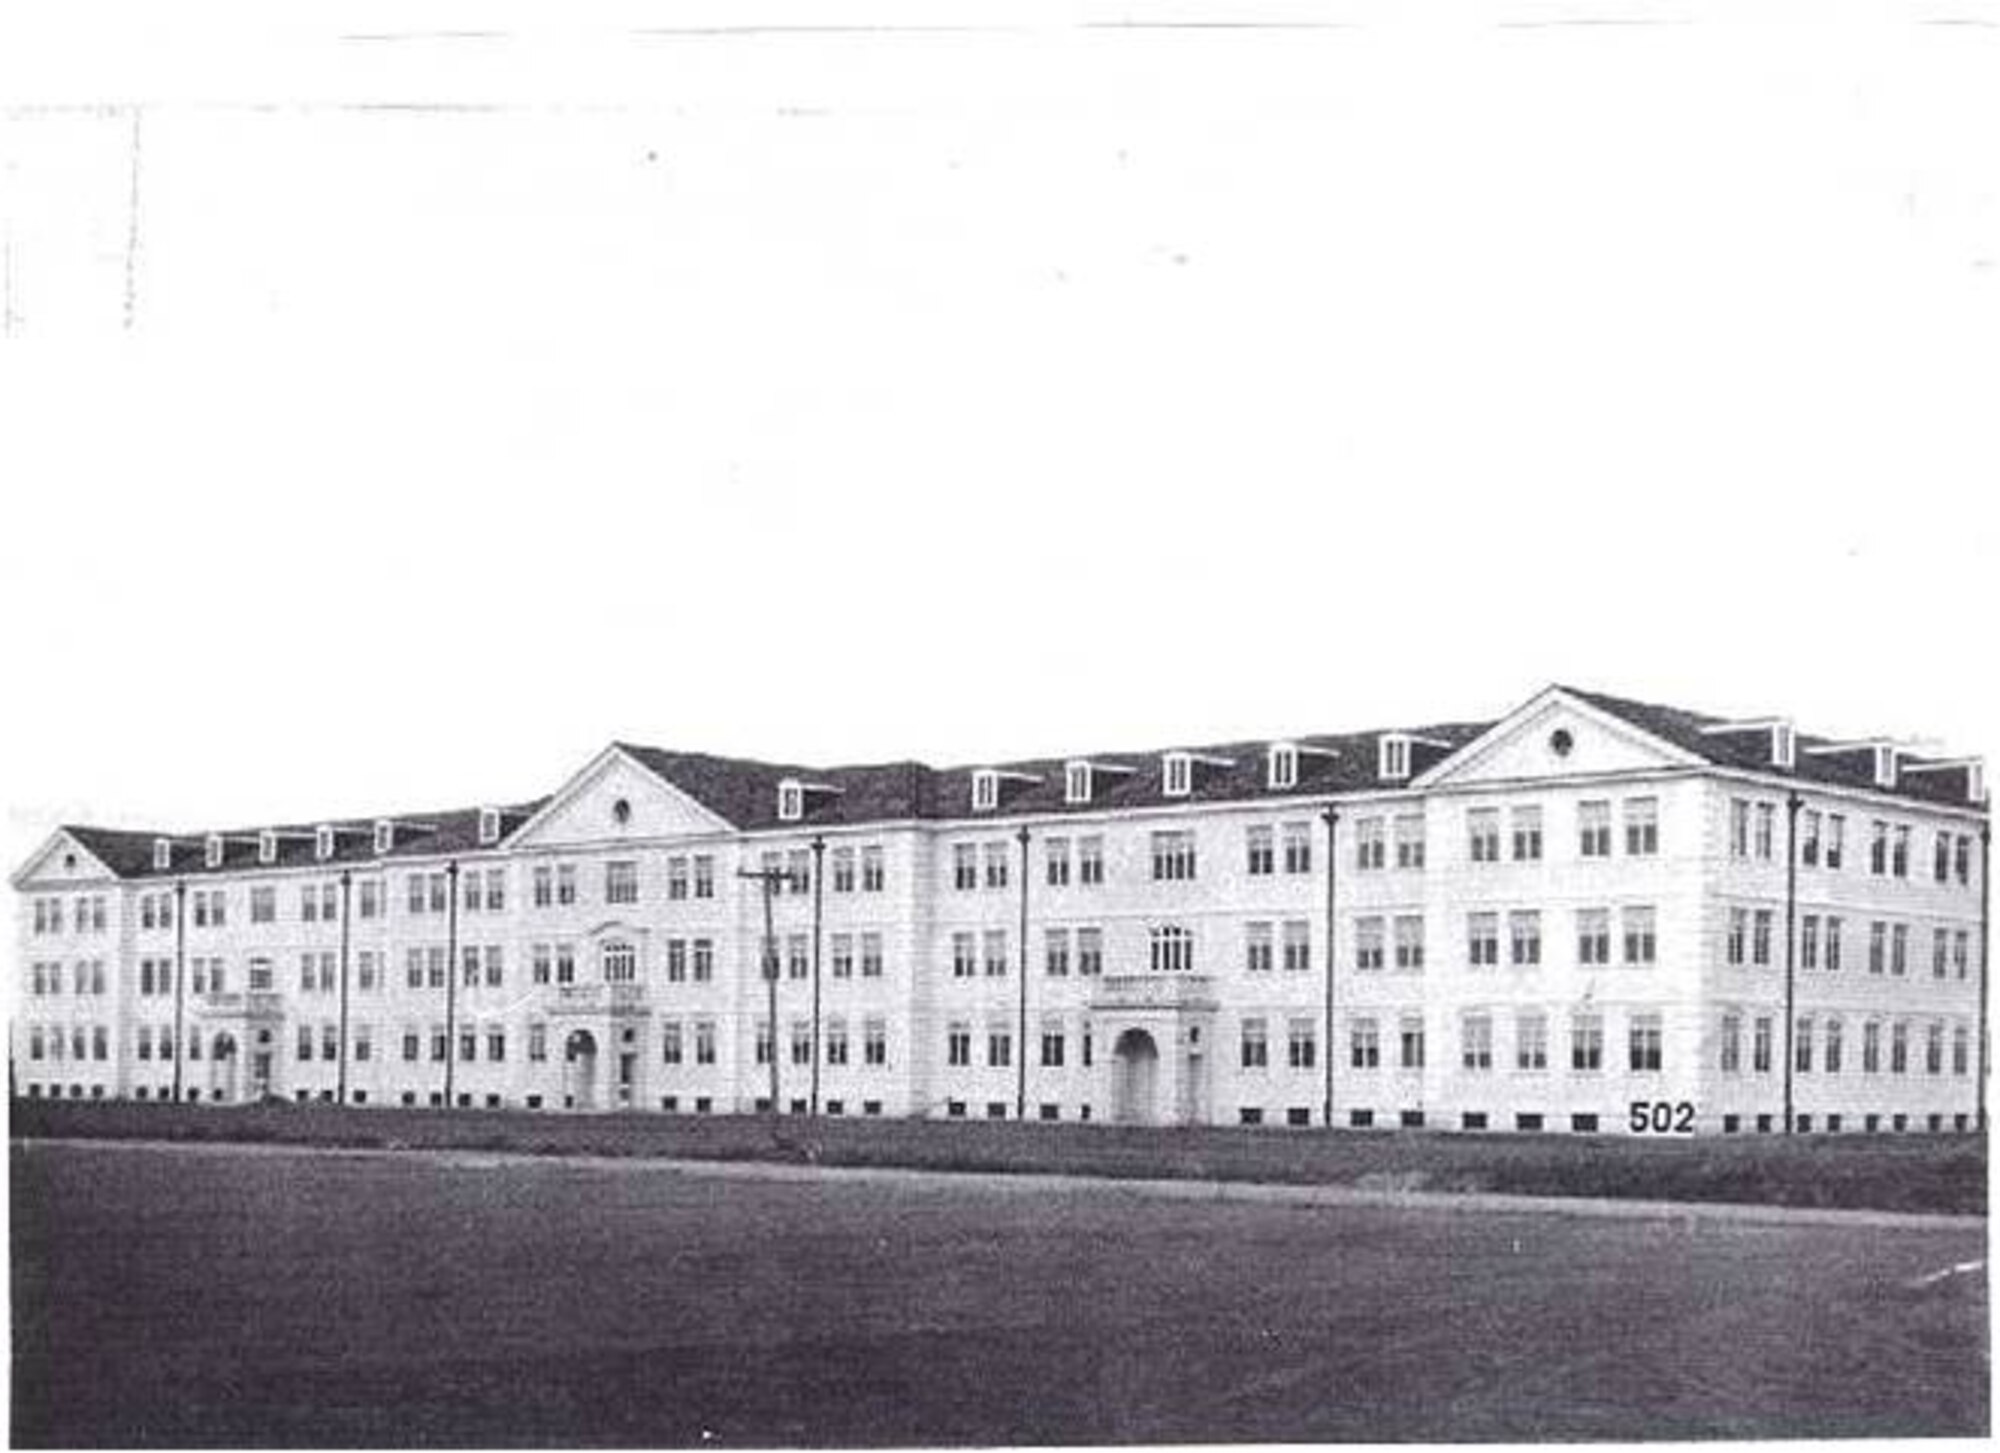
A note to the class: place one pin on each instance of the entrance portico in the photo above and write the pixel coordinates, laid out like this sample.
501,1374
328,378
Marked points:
1157,1028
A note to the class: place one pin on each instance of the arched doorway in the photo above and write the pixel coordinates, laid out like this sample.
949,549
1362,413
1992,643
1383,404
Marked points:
1135,1078
580,1070
222,1068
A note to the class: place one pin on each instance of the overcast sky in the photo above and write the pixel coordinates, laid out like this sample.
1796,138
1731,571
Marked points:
389,419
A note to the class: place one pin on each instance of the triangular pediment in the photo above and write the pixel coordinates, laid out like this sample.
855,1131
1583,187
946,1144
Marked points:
1555,735
588,810
63,862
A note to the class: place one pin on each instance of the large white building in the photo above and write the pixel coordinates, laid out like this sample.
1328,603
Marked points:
1592,914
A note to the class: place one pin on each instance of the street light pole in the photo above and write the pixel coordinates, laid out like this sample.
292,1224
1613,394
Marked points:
770,878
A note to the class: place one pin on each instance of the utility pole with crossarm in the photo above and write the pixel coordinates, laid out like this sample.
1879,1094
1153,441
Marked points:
770,878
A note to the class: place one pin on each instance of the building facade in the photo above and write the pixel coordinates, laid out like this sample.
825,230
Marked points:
1591,914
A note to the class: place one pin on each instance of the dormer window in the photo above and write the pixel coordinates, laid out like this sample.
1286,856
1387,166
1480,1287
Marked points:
1076,783
1885,765
791,801
1282,766
489,826
322,842
163,854
267,847
385,836
1784,749
1975,781
985,790
1393,757
1177,774
211,850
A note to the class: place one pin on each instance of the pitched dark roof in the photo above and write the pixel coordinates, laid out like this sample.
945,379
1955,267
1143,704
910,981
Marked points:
744,793
1751,751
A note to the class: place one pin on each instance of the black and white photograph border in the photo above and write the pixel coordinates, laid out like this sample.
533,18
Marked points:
876,724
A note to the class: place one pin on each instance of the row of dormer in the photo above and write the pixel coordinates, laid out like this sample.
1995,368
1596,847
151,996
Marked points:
384,837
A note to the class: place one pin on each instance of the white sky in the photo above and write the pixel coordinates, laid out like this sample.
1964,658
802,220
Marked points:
1039,385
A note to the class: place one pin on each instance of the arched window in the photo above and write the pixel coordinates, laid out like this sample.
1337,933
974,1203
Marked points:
621,962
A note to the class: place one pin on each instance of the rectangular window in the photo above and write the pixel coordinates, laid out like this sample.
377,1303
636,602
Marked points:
1301,1044
994,944
621,882
1055,862
1364,1044
1739,828
1089,951
1809,941
1482,825
565,884
1730,1042
1257,947
958,1046
1871,1048
704,876
1760,1044
1802,1044
1476,1042
1878,946
1767,813
1941,858
843,955
871,955
1052,1047
1482,940
1878,848
1899,854
1531,1041
1298,847
1409,933
263,905
1090,861
964,955
836,1042
1940,952
1899,949
1642,827
1593,829
1527,826
1593,937
1298,945
1261,850
798,956
1646,1054
1899,1047
996,865
964,866
541,890
1409,840
1055,952
1836,840
1370,846
874,876
843,870
999,1049
1410,1039
1173,857
1641,937
1809,838
670,1041
1586,1043
1256,1049
1833,1047
1369,940
875,1043
1934,1049
1760,937
704,1041
1524,938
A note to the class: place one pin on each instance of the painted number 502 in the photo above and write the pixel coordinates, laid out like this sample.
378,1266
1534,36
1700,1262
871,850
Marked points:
1662,1117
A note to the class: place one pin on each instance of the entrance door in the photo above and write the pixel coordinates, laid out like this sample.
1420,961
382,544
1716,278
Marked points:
1135,1078
580,1071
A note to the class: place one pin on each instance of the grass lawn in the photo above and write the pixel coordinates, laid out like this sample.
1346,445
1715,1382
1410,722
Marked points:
226,1296
1880,1172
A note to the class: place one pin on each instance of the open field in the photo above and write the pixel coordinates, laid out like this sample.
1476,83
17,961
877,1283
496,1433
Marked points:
208,1295
1919,1173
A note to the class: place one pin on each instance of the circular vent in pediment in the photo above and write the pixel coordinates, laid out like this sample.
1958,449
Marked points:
1561,742
621,812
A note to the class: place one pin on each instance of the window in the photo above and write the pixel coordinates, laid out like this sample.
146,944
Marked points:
964,956
1878,848
1409,829
798,871
791,801
843,870
1833,1047
1257,947
1593,937
565,884
958,1046
996,865
994,942
1282,766
1172,949
1173,856
1409,936
1364,1044
1476,1042
1176,774
1298,847
1802,1044
1524,937
1730,1045
1055,952
1642,827
1369,939
801,1042
1076,783
1934,1048
703,952
1298,945
1089,951
263,905
1645,1046
1899,1047
1586,1043
1940,951
1301,1045
999,1049
1961,1045
1760,937
1482,825
542,887
871,955
1809,838
1941,858
985,790
874,1043
1256,1048
1766,816
1832,945
1836,840
670,1042
1531,1041
1482,939
1641,940
1593,829
1393,757
1410,1037
1056,861
1871,1047
798,958
964,866
1262,849
1739,828
1052,1046
1527,825
1878,946
1961,860
1370,848
1899,949
1809,941
1961,946
704,876
842,953
704,1041
1899,854
1760,1044
1090,861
